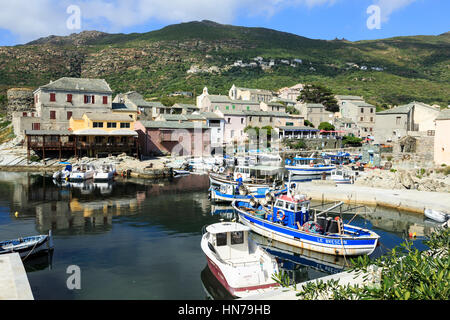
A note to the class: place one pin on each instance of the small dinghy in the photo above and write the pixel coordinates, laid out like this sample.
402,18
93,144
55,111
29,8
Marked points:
436,215
241,265
27,246
178,173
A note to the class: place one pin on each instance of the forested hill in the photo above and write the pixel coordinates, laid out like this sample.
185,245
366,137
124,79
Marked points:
389,71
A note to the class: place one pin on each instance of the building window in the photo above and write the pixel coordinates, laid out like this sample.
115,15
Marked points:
371,119
69,97
53,115
89,99
112,125
98,124
260,119
232,133
248,108
125,125
36,126
24,114
362,110
361,119
242,120
397,120
52,97
371,110
69,115
234,107
227,107
105,99
229,120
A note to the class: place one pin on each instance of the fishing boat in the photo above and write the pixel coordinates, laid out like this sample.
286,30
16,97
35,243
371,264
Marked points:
289,220
341,176
230,192
82,172
63,174
436,215
252,177
105,173
27,246
241,265
308,166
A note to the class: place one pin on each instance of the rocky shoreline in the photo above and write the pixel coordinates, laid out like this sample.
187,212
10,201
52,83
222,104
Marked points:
434,180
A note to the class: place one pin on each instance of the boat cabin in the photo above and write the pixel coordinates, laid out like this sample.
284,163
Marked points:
292,211
258,174
229,240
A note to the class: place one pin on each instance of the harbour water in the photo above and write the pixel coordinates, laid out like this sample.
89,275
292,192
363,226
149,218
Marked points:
140,239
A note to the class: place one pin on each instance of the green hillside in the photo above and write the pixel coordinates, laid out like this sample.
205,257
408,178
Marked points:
394,71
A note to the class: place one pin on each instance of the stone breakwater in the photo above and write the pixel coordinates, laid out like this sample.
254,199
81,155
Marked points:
406,200
434,180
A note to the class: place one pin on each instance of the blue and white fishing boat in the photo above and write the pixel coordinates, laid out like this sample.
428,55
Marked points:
288,220
231,192
27,246
63,174
308,166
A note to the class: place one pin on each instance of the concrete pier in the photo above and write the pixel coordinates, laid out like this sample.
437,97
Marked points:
407,200
14,283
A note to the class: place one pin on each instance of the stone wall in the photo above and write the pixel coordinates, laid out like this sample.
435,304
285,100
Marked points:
19,99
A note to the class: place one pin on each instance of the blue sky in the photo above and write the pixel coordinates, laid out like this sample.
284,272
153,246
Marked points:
24,20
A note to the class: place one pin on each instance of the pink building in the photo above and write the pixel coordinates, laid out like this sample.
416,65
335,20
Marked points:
441,138
176,138
235,123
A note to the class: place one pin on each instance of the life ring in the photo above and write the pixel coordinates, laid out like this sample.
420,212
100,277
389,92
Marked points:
281,212
311,164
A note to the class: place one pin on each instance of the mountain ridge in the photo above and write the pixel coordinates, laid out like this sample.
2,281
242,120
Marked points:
386,71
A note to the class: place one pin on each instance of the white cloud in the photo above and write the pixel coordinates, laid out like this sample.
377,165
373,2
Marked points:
389,6
29,20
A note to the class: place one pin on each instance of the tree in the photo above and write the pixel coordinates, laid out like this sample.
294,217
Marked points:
309,124
406,274
316,93
326,126
353,141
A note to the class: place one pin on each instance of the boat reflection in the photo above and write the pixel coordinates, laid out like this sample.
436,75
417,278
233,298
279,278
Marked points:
224,211
214,290
40,261
302,264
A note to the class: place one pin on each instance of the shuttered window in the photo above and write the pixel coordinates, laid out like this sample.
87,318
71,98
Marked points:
52,97
105,99
53,115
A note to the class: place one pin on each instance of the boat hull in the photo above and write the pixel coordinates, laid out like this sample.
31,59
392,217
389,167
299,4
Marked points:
302,171
315,242
252,187
103,176
81,176
224,272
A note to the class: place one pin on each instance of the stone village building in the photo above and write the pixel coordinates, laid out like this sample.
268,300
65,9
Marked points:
56,102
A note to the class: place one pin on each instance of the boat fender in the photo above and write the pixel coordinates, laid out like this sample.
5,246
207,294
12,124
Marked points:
282,214
221,170
216,169
288,162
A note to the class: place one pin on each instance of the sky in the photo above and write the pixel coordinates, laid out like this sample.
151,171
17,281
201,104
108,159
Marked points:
22,21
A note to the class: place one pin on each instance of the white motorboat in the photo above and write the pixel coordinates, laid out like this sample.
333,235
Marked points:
105,173
82,172
436,215
341,176
242,266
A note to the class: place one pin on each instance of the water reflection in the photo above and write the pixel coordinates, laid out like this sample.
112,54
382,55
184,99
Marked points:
140,239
